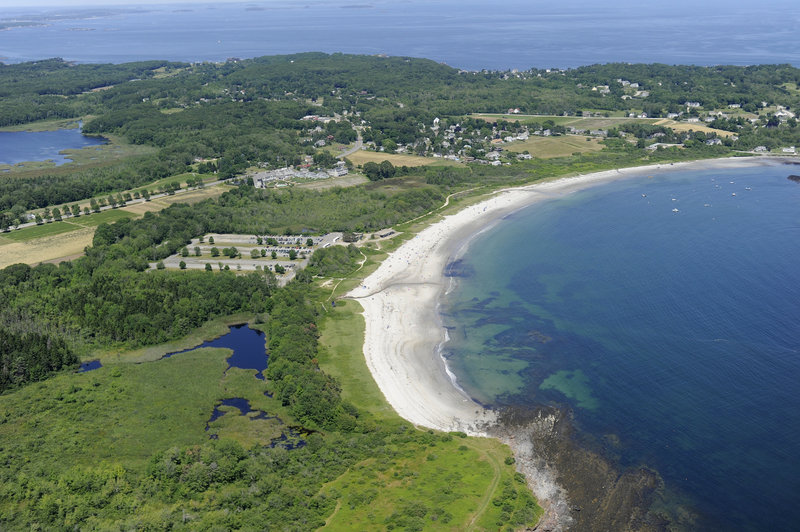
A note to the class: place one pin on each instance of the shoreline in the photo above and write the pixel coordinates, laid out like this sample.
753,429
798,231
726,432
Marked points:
404,335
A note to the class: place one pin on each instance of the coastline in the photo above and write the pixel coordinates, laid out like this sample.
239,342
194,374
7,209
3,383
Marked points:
404,334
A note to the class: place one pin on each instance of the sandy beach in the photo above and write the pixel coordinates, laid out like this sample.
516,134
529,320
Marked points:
403,331
404,334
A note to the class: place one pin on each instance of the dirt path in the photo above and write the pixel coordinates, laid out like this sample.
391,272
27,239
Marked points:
487,497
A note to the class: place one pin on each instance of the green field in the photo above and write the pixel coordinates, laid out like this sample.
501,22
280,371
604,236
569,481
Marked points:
550,147
72,224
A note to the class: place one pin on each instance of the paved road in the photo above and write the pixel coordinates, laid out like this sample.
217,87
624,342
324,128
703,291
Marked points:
351,151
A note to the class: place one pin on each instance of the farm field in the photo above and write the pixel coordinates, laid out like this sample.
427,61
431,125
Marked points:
596,122
361,157
66,240
550,147
580,122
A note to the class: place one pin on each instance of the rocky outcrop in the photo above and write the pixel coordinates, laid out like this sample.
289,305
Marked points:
579,488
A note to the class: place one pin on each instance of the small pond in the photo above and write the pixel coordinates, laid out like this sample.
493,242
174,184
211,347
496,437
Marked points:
249,348
23,146
290,438
89,365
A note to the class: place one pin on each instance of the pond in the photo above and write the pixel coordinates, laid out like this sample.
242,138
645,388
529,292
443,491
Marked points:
249,348
24,146
290,438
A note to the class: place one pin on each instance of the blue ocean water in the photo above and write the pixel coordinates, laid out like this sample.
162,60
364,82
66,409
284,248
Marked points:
469,34
20,146
664,311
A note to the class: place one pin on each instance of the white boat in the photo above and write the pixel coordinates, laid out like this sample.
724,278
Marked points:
675,210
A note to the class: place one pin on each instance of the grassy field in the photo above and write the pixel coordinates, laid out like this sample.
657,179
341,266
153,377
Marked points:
550,147
361,156
567,121
603,122
686,126
450,484
66,240
349,180
46,125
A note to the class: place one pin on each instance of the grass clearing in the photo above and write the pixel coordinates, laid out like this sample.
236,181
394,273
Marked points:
550,147
361,157
342,356
451,483
687,126
45,249
580,122
350,180
45,125
67,239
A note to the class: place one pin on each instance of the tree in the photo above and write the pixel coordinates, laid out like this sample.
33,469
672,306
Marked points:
182,265
184,252
254,254
86,211
292,254
279,269
95,206
160,265
389,145
146,195
310,242
208,267
39,220
76,210
386,170
372,171
197,251
274,254
57,214
211,240
214,252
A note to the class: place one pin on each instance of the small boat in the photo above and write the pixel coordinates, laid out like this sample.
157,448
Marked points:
644,195
675,210
706,205
733,193
748,188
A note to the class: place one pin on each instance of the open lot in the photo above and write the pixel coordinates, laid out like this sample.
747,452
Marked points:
686,126
360,157
580,122
550,147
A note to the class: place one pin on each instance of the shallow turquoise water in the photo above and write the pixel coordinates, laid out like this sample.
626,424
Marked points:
674,336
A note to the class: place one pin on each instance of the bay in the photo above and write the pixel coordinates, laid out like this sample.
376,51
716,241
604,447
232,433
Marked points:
663,311
465,34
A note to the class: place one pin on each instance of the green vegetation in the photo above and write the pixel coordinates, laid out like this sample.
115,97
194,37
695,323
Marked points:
126,446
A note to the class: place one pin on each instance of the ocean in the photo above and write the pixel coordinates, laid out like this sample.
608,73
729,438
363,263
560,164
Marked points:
663,311
466,34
